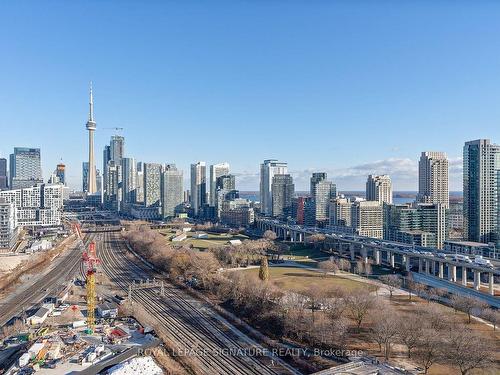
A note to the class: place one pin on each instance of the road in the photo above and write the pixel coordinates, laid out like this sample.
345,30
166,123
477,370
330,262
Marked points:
190,323
61,270
456,288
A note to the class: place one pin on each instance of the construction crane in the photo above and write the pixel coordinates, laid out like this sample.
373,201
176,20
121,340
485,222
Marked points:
91,261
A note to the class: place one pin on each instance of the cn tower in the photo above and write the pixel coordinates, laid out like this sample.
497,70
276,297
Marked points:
92,185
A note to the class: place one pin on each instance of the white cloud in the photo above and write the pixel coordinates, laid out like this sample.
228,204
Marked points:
403,172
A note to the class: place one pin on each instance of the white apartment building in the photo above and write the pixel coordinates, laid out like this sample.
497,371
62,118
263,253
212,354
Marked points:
379,188
433,178
39,205
367,218
9,229
340,212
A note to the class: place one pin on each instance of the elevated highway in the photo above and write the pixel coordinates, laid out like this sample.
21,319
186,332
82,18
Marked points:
395,255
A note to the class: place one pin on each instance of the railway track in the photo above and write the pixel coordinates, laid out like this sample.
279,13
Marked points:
216,346
64,270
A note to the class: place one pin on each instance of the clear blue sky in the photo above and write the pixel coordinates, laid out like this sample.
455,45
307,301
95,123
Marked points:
350,87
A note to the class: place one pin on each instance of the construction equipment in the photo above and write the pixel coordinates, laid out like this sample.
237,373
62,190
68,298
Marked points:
41,354
91,261
39,333
77,229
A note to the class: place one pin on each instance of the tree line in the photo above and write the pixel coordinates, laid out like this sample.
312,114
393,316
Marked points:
320,317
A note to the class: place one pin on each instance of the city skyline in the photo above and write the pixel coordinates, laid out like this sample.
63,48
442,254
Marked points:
246,85
249,180
250,187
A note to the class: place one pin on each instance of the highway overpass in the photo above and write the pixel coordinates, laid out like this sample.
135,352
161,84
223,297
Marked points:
394,254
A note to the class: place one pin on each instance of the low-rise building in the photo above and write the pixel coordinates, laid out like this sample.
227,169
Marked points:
145,213
41,245
107,310
237,213
39,316
180,237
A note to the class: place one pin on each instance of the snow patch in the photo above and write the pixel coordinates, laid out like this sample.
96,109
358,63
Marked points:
139,365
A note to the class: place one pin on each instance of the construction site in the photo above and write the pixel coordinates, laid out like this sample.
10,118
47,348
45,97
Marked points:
79,329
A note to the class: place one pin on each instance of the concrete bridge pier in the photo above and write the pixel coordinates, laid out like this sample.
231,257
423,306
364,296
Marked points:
491,284
391,259
441,270
407,263
364,254
452,272
427,266
464,275
351,250
477,279
376,255
420,267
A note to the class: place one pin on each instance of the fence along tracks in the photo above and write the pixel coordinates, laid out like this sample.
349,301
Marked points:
216,346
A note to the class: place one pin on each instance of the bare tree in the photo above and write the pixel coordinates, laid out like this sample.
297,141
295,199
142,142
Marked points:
410,285
391,282
466,304
385,329
328,266
316,296
428,349
316,239
436,293
180,263
368,268
358,304
492,316
203,266
409,331
435,317
344,264
467,350
419,289
335,307
359,267
269,235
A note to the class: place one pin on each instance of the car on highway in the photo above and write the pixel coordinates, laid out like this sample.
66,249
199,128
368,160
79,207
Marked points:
480,261
461,258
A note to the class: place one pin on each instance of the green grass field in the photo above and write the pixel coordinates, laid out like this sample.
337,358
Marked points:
299,280
304,251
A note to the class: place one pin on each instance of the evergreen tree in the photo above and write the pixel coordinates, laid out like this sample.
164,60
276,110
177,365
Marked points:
264,269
